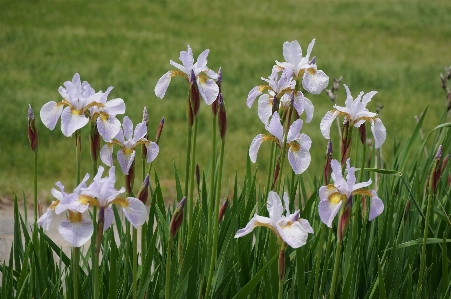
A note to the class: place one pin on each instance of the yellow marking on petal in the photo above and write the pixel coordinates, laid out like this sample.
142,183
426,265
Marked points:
311,71
127,151
74,217
300,74
96,104
178,73
270,138
76,112
88,200
268,226
104,116
120,201
335,198
288,225
54,204
63,102
295,147
202,79
262,88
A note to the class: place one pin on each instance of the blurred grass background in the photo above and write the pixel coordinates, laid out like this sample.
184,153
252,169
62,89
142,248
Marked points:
397,48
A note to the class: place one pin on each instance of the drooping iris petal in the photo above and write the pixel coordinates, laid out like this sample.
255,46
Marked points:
293,234
77,232
264,108
45,220
295,130
379,132
275,127
309,109
50,113
208,90
327,211
125,160
326,122
106,154
115,106
253,94
108,127
108,217
163,84
299,155
255,146
254,222
314,81
140,132
376,206
135,211
152,151
71,121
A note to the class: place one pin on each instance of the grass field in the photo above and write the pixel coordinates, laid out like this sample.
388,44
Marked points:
396,48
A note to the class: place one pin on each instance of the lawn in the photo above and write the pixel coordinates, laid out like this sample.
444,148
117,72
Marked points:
397,48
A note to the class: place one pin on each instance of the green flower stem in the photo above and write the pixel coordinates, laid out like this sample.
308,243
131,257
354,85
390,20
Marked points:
216,223
318,260
425,235
336,264
76,250
324,274
95,256
280,289
35,189
135,262
281,268
127,251
188,161
192,178
168,270
212,200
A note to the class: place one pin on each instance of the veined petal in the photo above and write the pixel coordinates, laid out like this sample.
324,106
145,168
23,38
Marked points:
292,52
309,109
76,233
251,225
326,191
135,211
314,81
108,127
310,48
201,63
127,125
327,211
152,151
274,206
186,57
361,185
299,158
253,94
255,146
275,127
306,225
376,206
108,218
57,194
162,84
366,98
349,99
63,93
295,130
45,219
71,121
106,154
180,67
211,74
208,89
326,123
264,108
286,201
336,175
140,132
125,160
379,132
50,113
115,107
350,176
292,233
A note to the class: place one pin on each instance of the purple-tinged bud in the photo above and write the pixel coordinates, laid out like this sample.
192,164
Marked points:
345,141
295,216
146,121
194,94
100,225
159,131
313,61
32,132
130,179
439,153
222,117
214,105
281,264
177,218
328,160
219,79
39,208
336,84
223,210
438,167
275,104
145,116
189,113
95,142
198,176
362,134
343,224
143,193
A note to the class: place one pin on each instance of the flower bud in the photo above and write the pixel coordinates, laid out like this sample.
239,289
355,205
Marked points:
194,94
159,131
222,210
275,104
343,222
331,94
177,218
362,134
146,121
276,173
130,179
143,193
437,169
407,210
281,264
32,132
328,160
336,84
313,61
346,139
198,176
222,117
95,142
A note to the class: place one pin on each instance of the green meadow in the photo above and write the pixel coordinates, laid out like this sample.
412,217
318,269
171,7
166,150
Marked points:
397,48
